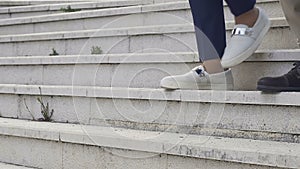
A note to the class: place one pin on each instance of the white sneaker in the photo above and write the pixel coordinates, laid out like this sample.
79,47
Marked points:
245,41
198,78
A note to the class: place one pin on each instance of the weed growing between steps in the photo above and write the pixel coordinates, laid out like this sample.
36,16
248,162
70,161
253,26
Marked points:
54,53
45,110
96,50
27,108
69,9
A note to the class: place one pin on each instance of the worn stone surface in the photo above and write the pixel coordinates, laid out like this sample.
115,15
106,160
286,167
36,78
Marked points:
131,144
233,129
161,13
82,156
138,70
179,38
48,9
147,108
30,152
10,166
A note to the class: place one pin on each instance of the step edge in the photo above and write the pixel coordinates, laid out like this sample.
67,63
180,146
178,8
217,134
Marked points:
125,31
74,5
143,8
195,96
291,55
15,166
183,145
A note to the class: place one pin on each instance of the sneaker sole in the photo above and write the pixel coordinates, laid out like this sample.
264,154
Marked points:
244,56
264,88
200,87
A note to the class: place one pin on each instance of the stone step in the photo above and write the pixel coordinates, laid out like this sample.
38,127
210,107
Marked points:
46,9
162,38
80,146
9,3
239,114
141,15
138,70
11,166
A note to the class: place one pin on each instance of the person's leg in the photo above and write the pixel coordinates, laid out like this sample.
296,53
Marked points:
210,27
291,80
291,10
252,25
208,17
210,35
244,11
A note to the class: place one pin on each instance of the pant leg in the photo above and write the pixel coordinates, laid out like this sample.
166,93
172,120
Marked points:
209,27
239,7
292,13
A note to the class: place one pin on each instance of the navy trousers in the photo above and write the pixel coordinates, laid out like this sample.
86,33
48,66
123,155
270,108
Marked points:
210,24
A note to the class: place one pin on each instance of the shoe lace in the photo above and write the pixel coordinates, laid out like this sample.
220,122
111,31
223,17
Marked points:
296,65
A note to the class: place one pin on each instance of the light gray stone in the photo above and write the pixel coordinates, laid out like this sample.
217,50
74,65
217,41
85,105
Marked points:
134,143
179,38
182,111
161,13
175,162
10,166
30,152
136,70
54,8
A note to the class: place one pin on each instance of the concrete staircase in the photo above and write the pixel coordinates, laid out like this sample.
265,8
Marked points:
15,3
44,9
108,109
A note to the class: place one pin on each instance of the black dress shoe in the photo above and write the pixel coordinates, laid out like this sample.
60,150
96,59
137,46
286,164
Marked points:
289,82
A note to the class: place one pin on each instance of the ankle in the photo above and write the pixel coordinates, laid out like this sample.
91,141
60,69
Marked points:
249,18
213,66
